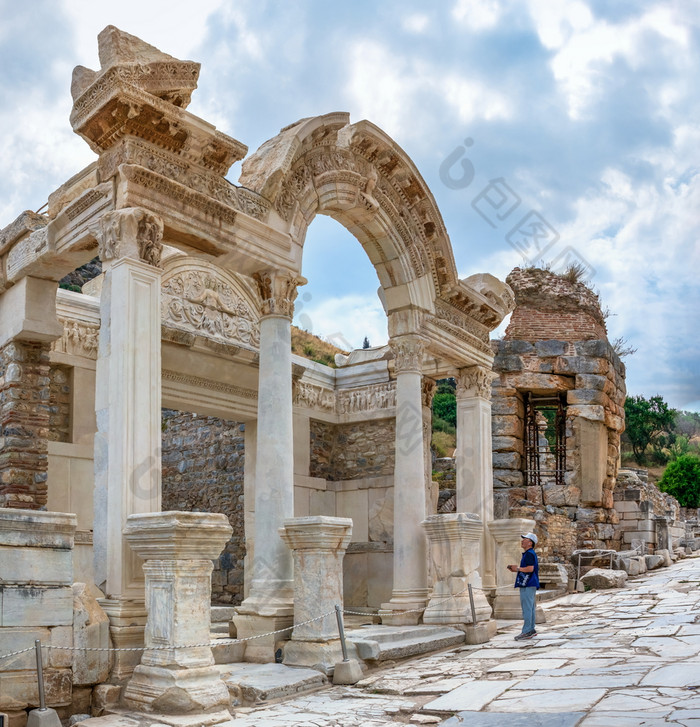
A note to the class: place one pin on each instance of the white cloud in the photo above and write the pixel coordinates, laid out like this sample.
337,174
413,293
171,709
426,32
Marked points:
477,14
393,91
415,23
346,318
173,26
585,47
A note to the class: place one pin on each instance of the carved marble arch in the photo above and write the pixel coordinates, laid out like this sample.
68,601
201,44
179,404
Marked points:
359,176
201,298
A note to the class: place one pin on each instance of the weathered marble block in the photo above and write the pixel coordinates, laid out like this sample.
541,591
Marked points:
178,548
318,545
455,553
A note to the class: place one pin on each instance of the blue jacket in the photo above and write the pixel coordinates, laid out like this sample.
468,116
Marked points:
528,580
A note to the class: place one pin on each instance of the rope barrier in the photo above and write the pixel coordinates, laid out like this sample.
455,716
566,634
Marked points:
219,642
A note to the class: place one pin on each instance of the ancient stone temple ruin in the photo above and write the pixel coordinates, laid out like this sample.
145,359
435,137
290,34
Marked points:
192,313
558,412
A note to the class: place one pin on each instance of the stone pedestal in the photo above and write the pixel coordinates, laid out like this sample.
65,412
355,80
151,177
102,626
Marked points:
455,553
268,606
318,545
128,407
507,534
178,548
473,458
410,590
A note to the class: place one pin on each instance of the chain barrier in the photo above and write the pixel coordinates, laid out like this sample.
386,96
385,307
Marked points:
219,642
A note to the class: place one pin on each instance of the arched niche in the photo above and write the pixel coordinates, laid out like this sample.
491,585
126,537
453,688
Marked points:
203,299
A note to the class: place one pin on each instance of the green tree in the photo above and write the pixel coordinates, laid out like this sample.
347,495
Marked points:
682,480
645,420
445,405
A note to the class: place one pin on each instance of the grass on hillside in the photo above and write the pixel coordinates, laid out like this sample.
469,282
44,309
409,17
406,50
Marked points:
312,347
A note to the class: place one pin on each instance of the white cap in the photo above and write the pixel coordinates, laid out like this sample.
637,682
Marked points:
530,536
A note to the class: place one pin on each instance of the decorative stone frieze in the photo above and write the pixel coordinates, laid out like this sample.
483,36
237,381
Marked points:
78,339
130,232
314,397
278,291
368,398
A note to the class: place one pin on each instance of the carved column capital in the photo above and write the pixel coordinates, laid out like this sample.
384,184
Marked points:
130,232
408,352
278,291
474,381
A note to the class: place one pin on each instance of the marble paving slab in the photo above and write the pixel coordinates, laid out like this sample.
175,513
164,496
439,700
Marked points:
565,700
473,696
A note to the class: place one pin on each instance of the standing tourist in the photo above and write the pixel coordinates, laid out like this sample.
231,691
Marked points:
528,582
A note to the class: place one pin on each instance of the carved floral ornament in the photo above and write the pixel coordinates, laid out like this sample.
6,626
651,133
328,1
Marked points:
474,381
278,291
130,232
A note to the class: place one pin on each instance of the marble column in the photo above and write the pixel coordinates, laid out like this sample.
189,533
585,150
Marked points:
410,590
455,545
269,604
178,548
128,406
318,544
473,457
507,534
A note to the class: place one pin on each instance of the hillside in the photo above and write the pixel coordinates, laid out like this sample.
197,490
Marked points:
312,347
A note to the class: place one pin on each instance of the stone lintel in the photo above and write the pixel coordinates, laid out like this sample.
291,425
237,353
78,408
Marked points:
36,528
317,532
28,312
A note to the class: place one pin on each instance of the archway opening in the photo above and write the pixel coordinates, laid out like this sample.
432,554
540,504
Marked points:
340,302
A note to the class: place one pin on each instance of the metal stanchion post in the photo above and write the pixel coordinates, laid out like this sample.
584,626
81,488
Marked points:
341,631
471,603
44,716
40,674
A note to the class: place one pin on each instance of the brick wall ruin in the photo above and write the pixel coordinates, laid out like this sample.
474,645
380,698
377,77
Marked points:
558,412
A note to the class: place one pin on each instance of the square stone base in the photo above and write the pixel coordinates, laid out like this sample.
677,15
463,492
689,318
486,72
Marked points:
176,691
481,632
408,614
263,649
319,655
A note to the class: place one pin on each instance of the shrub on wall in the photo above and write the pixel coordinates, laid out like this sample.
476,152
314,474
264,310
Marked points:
682,480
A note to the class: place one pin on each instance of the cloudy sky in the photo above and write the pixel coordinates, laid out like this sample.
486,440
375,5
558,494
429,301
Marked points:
583,115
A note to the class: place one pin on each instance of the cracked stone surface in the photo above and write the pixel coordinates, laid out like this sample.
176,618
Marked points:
628,657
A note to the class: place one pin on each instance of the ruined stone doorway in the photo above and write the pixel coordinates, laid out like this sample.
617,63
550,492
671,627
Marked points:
545,439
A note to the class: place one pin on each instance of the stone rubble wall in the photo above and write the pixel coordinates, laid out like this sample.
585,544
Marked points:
203,464
352,451
60,399
639,504
24,419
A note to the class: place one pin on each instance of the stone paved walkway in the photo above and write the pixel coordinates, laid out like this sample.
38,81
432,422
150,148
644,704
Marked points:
622,658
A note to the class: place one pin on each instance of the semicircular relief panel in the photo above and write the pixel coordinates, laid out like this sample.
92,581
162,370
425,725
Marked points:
203,299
